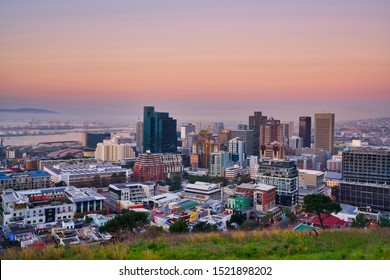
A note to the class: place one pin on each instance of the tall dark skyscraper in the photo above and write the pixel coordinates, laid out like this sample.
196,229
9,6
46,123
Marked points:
159,132
305,130
254,124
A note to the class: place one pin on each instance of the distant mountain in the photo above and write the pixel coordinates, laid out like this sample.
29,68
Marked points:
28,110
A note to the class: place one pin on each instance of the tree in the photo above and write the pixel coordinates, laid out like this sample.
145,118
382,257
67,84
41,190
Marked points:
128,220
320,205
238,218
178,227
204,227
176,184
60,184
384,221
360,221
289,215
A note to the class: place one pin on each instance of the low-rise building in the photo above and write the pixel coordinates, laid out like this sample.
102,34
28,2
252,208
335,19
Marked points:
28,180
201,191
264,197
310,182
90,175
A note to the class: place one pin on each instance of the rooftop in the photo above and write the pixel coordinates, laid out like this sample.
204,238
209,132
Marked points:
264,187
247,186
312,172
8,175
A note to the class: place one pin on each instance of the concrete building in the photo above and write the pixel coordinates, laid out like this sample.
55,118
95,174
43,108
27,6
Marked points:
305,131
239,202
27,180
366,178
246,136
310,182
324,131
218,127
139,136
157,201
282,174
112,151
264,197
89,175
288,131
32,207
218,162
201,191
255,122
135,193
295,142
236,148
335,164
275,150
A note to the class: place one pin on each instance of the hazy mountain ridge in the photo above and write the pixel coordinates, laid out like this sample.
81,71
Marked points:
28,110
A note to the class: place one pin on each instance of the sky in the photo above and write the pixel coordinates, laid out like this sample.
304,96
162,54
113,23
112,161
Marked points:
212,59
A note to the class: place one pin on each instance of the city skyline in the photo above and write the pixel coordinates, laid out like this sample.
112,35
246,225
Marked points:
219,60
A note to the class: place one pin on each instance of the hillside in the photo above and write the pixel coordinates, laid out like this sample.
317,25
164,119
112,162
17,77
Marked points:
274,245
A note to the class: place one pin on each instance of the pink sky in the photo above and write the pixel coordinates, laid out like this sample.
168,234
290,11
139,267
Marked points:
245,50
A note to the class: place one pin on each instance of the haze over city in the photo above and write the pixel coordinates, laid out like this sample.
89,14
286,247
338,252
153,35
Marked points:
219,60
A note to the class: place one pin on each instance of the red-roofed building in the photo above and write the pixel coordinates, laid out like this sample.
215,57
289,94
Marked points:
328,221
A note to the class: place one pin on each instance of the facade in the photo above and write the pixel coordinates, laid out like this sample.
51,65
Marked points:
159,132
173,165
89,175
246,136
255,122
134,192
28,180
324,131
335,164
305,131
201,191
51,205
149,167
112,151
295,142
218,162
239,202
270,131
288,131
237,150
282,174
233,172
85,199
247,189
274,150
310,182
91,139
139,136
157,167
366,178
264,197
218,127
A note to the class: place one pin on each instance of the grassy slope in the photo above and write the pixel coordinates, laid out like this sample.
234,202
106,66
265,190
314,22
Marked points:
335,245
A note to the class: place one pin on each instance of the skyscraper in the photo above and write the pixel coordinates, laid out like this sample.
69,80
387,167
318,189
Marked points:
185,129
255,122
139,136
324,131
305,131
159,132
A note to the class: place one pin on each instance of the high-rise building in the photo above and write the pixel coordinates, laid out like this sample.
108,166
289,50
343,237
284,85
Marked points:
305,130
324,131
91,139
271,131
218,162
282,174
112,151
255,122
139,136
185,129
288,131
159,132
247,136
237,151
366,178
295,142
